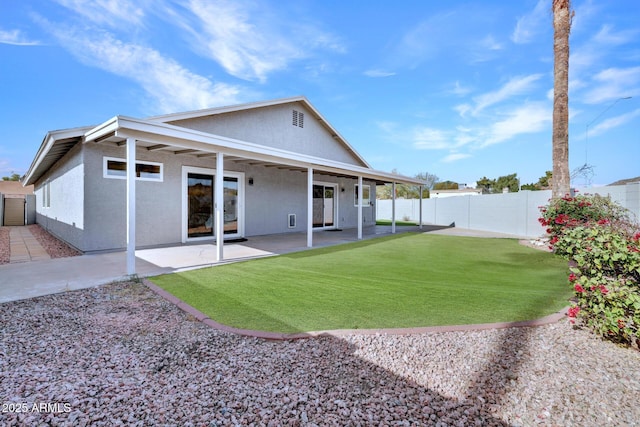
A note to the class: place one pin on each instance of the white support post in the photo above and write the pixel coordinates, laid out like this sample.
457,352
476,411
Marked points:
393,208
219,206
420,220
309,207
131,206
360,195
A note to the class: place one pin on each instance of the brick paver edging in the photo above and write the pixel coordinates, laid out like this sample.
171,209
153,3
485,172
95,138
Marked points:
552,318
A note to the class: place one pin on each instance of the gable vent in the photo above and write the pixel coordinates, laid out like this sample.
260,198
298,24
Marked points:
298,119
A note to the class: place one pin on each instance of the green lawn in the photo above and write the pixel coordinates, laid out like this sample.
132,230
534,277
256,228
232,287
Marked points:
397,281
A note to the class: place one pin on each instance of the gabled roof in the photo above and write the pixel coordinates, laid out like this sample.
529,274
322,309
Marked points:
157,134
167,118
54,146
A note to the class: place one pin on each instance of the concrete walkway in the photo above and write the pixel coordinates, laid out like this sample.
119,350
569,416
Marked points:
24,246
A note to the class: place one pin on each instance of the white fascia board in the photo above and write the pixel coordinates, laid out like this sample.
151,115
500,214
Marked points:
47,143
190,138
103,129
225,109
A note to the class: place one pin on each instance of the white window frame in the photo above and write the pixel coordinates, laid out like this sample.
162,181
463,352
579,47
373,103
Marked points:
46,194
185,202
366,201
105,170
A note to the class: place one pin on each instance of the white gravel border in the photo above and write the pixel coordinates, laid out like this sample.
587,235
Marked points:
121,355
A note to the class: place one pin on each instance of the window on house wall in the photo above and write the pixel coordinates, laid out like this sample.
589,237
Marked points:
46,194
145,171
366,195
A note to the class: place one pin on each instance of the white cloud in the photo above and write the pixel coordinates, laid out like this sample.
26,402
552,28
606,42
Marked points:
530,25
463,109
607,36
614,83
530,118
515,86
173,87
430,139
614,122
250,41
585,58
460,90
378,73
15,37
490,43
455,157
109,12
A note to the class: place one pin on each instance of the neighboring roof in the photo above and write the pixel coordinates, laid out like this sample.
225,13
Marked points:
459,191
626,181
261,104
155,134
15,188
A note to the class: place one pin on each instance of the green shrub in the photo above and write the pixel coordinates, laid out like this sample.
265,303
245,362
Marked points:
602,245
582,210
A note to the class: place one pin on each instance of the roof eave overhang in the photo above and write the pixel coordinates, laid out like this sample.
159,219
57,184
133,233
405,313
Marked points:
184,138
260,104
36,168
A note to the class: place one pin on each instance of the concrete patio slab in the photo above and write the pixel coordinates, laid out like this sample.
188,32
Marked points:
180,258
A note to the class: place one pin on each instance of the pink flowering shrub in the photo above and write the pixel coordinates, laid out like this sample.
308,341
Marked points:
602,245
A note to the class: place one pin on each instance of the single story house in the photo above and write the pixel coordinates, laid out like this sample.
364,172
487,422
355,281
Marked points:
253,169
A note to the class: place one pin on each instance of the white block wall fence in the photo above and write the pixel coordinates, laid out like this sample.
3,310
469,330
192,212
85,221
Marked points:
509,213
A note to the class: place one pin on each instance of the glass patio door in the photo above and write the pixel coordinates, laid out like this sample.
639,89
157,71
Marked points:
323,206
231,216
200,205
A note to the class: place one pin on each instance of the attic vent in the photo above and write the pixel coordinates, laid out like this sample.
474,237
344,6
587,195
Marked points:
298,119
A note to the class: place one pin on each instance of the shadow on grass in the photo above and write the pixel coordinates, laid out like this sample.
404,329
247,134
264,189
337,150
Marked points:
200,298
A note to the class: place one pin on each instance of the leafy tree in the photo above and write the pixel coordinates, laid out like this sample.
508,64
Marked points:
562,17
542,184
406,191
446,185
13,177
508,181
486,184
490,186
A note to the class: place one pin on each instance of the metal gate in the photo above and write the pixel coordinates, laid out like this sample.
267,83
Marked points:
13,211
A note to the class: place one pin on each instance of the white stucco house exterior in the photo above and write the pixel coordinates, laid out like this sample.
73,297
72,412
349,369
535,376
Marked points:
132,183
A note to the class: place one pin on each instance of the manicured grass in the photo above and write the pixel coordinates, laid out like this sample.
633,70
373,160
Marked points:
398,281
388,222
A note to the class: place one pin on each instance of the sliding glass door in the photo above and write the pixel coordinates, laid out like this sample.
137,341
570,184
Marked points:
199,206
200,212
324,205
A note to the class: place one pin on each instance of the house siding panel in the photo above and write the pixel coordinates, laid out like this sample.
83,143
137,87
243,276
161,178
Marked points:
64,216
272,126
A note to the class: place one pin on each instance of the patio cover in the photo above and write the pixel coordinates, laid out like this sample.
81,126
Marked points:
155,135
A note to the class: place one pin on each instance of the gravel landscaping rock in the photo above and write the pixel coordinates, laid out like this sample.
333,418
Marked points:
120,355
55,248
5,254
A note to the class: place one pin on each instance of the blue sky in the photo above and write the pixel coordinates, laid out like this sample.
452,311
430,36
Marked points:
459,89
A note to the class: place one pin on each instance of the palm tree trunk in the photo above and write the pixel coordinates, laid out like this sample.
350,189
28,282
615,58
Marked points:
561,28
